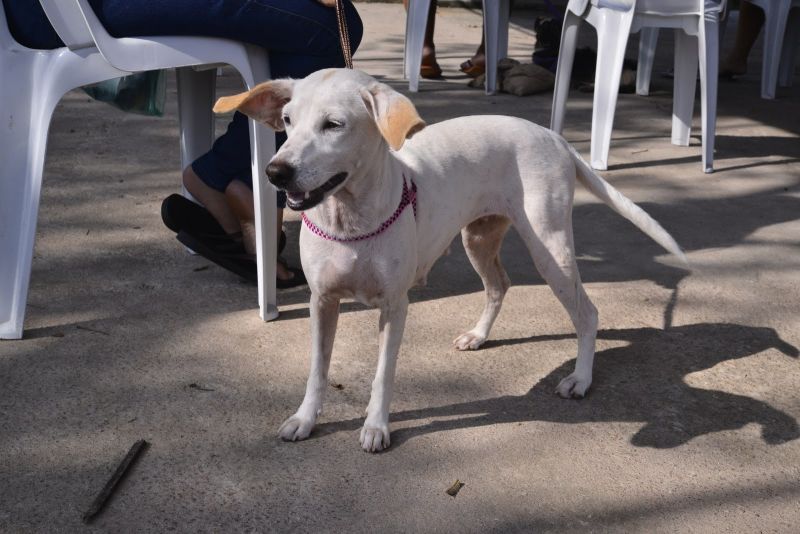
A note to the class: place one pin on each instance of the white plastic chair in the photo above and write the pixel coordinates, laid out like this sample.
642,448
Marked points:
696,42
33,81
781,41
495,16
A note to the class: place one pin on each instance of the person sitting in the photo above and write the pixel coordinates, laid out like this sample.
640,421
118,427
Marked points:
430,69
751,19
301,37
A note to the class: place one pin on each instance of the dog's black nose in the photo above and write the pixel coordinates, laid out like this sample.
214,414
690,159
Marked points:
280,173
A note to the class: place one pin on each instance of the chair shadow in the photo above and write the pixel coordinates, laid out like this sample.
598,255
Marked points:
640,382
732,147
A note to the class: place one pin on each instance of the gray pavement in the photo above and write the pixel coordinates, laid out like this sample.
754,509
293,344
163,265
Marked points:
690,426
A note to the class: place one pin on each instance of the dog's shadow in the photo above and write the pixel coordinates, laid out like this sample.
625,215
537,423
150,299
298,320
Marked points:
640,382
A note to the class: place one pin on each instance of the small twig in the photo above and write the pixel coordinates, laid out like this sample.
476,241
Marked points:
640,151
336,385
79,327
111,485
201,268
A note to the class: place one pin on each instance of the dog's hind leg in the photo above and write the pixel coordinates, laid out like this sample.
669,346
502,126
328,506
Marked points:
482,240
324,316
548,236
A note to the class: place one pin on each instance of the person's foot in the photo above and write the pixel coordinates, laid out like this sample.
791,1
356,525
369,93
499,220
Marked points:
430,68
198,230
286,277
731,69
475,66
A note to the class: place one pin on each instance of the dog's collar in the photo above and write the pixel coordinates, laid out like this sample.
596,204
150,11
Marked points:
409,197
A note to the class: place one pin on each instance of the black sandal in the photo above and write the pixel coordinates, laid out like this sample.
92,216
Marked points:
226,252
180,213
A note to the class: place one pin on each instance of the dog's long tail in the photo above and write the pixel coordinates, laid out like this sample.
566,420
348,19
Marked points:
624,206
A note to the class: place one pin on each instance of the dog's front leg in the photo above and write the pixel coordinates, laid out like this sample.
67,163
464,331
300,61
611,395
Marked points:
375,434
324,315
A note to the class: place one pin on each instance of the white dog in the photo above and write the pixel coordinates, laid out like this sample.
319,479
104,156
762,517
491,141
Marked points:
379,210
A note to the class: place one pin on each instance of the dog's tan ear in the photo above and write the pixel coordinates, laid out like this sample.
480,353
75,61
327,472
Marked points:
394,114
264,103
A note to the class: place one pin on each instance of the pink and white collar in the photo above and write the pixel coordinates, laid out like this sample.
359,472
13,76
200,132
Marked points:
409,197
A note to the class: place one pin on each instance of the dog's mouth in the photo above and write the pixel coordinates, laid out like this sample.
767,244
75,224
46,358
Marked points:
303,200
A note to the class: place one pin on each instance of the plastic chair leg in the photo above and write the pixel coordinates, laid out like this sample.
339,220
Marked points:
708,52
22,149
262,148
686,59
612,36
495,23
791,43
774,28
262,141
647,51
416,21
196,91
502,34
566,57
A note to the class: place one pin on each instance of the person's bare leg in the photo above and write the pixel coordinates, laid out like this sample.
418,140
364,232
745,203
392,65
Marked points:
751,19
212,200
430,67
240,199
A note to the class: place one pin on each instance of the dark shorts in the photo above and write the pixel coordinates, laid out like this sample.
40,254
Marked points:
301,37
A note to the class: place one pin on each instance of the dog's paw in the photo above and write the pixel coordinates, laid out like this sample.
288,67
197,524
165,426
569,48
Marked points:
374,438
573,386
295,428
468,341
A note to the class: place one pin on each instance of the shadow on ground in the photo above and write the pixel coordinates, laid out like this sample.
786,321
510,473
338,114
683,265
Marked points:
651,369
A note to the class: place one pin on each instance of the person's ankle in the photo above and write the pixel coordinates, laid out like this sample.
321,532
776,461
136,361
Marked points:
282,272
429,55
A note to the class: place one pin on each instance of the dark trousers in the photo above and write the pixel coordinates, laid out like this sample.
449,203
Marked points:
301,36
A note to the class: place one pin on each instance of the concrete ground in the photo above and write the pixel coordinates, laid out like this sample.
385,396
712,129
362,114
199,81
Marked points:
690,426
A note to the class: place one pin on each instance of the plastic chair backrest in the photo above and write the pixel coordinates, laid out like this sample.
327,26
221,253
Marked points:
6,41
579,6
676,7
68,21
78,26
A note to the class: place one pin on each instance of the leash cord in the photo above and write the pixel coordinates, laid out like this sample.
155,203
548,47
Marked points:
344,35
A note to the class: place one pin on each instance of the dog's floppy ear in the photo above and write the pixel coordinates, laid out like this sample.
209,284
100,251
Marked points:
264,103
394,114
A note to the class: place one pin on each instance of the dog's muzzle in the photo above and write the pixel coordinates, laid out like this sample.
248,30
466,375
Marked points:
303,200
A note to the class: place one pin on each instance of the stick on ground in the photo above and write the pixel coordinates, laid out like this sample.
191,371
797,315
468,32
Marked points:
111,485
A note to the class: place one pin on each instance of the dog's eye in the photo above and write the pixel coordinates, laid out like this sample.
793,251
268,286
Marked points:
331,125
287,121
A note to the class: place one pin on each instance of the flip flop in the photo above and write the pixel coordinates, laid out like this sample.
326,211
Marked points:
473,70
178,213
226,252
729,75
430,72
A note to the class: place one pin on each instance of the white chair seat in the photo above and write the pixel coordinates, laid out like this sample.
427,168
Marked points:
34,81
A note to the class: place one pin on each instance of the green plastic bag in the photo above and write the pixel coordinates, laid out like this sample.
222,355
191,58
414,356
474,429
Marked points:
143,93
